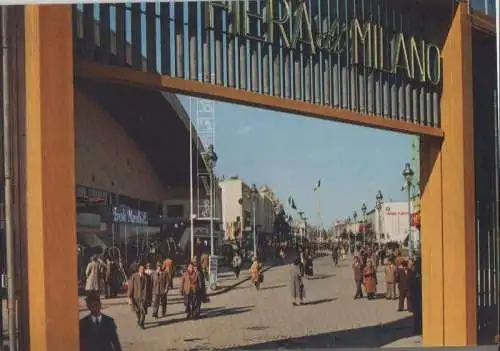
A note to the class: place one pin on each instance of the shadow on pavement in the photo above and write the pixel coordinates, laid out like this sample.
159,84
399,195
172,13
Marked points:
318,302
257,328
273,287
321,276
373,336
379,296
205,314
220,312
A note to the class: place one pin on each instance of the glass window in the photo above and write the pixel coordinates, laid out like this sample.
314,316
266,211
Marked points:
128,201
150,207
175,211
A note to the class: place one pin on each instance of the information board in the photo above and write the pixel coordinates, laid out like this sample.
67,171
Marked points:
213,269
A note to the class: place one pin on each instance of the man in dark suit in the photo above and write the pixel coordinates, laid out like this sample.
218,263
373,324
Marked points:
140,294
404,278
98,331
416,295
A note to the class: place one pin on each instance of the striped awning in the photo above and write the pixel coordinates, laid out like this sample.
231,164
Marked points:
89,200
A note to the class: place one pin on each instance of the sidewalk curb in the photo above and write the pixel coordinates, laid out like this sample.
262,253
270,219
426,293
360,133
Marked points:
238,283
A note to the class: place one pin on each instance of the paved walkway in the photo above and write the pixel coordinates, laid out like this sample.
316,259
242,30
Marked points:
249,319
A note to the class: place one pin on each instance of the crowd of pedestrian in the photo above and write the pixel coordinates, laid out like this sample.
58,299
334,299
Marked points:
148,286
402,278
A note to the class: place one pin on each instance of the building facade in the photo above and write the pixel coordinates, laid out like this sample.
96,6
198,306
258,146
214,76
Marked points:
177,203
392,223
122,189
237,208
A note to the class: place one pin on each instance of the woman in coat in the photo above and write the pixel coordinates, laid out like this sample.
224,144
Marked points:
296,284
93,275
256,273
169,268
370,279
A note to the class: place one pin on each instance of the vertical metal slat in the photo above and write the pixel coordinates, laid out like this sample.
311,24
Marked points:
165,52
151,30
219,74
136,36
121,43
192,40
179,39
231,79
104,33
88,30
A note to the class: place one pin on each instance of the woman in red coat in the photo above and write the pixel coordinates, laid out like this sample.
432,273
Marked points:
370,279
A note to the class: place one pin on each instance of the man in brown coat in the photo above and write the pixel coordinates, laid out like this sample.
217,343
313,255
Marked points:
358,277
161,284
390,277
139,294
189,290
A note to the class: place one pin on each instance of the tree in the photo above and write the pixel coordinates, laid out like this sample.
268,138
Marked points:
281,225
324,235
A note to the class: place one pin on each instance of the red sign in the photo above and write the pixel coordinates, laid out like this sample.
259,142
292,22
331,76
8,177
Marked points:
415,220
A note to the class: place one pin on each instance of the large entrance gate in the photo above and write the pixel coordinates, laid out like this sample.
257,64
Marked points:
401,66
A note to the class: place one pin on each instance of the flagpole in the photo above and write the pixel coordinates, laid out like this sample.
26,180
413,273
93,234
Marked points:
317,189
320,214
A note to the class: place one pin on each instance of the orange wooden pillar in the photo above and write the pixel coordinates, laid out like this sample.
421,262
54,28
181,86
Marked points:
448,202
50,178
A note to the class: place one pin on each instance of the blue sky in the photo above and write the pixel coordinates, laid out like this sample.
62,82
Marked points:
289,153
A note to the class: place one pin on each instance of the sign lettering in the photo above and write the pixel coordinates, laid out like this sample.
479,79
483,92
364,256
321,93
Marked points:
366,43
123,214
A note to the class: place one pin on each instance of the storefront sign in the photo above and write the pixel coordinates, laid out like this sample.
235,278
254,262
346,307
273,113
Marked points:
127,215
367,43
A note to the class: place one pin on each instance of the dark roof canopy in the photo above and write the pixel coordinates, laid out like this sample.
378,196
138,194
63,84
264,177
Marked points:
156,121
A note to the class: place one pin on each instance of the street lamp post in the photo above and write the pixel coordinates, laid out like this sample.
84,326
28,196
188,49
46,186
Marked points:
355,221
290,228
253,195
363,210
347,227
408,178
378,204
301,215
211,160
240,202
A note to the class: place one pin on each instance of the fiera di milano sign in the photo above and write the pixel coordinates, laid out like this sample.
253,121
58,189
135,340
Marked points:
364,43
